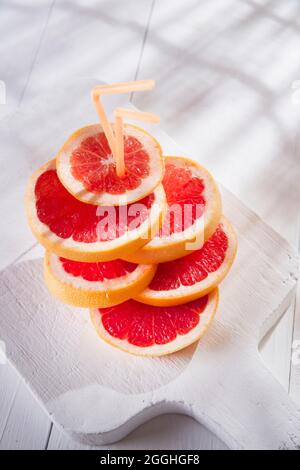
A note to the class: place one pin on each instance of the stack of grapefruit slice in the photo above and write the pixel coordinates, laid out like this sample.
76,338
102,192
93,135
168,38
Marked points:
144,252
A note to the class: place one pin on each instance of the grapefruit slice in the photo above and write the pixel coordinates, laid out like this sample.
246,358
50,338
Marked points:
194,211
95,284
194,275
87,169
84,232
155,331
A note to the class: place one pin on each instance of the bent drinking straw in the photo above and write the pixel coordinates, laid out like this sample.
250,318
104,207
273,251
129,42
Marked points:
120,113
125,87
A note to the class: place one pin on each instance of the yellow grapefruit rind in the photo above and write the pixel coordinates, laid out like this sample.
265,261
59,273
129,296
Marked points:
160,251
112,292
97,251
78,190
181,341
185,294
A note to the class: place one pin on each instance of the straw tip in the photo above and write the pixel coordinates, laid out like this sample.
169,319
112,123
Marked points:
151,82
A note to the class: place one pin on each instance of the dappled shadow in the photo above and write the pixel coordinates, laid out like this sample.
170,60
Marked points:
224,94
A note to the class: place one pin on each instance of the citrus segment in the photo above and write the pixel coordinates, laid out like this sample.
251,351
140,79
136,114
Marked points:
194,210
154,331
86,166
95,284
194,275
84,232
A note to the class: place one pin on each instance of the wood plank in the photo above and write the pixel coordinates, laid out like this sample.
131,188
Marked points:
23,423
22,28
278,343
28,425
95,40
295,363
170,432
9,385
275,348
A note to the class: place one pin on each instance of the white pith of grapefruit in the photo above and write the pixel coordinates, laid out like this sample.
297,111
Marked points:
94,284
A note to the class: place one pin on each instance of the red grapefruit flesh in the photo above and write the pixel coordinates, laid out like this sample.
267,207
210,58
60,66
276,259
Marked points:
97,272
194,275
84,232
194,210
95,284
86,166
154,331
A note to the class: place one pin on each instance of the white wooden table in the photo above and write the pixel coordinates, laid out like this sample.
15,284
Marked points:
224,73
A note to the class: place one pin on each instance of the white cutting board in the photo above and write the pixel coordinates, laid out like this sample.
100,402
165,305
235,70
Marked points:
98,394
